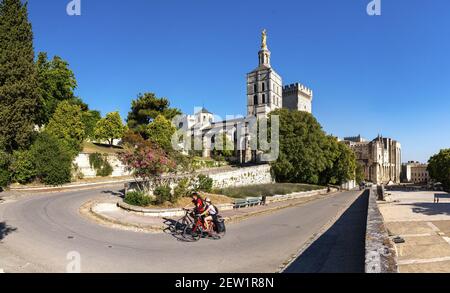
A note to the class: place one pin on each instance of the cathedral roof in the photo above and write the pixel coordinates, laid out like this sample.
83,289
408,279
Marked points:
203,110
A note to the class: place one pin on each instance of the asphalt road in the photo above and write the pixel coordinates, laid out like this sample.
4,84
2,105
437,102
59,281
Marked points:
38,231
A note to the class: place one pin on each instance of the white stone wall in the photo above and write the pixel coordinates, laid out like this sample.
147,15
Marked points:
243,176
82,161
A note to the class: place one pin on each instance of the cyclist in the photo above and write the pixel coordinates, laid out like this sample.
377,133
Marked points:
199,204
210,213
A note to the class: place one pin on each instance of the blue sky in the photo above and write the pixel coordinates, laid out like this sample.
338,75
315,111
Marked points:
388,74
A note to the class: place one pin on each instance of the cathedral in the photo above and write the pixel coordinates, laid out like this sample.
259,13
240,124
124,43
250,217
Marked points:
265,93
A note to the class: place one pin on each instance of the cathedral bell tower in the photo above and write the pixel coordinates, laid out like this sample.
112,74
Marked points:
264,85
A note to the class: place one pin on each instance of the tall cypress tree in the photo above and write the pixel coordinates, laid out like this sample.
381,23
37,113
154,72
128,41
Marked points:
19,93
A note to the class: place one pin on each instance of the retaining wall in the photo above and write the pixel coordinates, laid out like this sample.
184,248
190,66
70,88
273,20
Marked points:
82,161
259,174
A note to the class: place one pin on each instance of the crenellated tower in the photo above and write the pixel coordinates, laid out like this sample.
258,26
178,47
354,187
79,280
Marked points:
297,97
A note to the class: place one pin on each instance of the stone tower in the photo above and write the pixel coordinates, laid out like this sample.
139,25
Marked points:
297,97
264,85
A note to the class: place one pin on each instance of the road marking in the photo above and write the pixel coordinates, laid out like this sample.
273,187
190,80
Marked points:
422,261
446,239
433,227
417,235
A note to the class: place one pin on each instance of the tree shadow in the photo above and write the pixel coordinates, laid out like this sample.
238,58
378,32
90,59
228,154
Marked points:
341,249
120,193
429,208
5,230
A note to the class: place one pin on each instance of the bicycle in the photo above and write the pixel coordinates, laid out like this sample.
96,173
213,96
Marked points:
197,229
180,224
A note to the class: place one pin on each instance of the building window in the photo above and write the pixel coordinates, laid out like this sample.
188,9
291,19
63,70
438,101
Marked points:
263,98
263,86
255,100
255,88
180,125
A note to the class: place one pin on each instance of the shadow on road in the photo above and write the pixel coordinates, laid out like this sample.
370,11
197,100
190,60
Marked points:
5,230
119,193
429,208
175,229
341,249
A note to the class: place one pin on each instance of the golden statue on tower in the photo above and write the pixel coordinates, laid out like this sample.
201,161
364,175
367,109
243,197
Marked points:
264,39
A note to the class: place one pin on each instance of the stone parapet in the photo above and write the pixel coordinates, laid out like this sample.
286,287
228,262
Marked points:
380,254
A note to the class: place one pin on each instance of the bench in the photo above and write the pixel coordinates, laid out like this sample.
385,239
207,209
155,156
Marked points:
254,201
436,197
248,202
240,203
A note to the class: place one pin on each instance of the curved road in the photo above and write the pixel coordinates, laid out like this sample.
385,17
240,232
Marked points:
39,230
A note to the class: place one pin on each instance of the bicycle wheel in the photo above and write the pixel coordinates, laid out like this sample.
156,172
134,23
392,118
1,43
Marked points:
188,233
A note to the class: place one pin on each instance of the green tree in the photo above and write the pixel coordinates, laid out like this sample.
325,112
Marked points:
19,93
90,119
145,109
67,124
360,175
302,155
341,163
439,168
52,159
22,167
160,131
109,128
56,83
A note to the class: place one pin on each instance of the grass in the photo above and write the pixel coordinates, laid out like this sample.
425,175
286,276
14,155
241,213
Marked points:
89,148
266,190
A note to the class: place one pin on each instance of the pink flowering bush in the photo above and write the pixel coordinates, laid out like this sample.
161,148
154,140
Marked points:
147,162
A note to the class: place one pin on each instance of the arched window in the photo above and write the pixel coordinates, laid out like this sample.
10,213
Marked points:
255,100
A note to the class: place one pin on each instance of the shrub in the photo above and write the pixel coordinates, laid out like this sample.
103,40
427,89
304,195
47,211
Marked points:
22,167
5,176
163,194
181,190
52,159
204,183
77,174
137,198
100,164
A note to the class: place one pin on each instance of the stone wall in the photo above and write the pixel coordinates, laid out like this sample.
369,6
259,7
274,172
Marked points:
259,174
380,253
225,177
84,167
